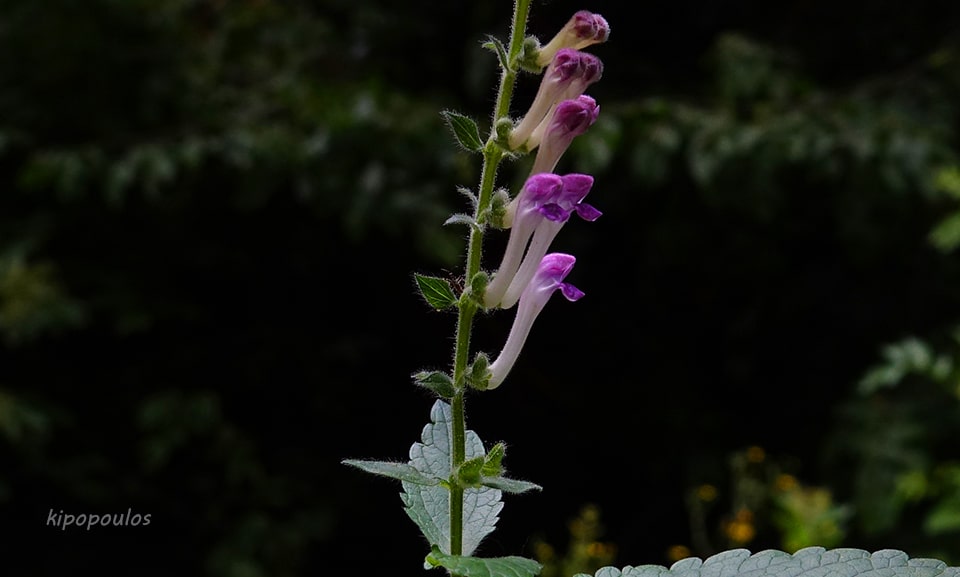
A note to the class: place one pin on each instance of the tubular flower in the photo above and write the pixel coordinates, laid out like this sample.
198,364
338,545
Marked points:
582,30
549,277
570,119
568,75
555,214
526,211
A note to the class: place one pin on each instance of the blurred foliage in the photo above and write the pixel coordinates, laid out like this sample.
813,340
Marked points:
762,506
584,553
196,191
897,446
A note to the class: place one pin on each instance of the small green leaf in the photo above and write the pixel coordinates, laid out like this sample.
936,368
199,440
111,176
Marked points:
478,567
464,129
478,373
436,291
470,196
493,462
437,381
497,47
466,219
469,472
514,486
401,471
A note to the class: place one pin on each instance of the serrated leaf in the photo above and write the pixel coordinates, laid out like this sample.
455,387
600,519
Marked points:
401,471
809,562
514,486
436,291
464,129
479,567
429,507
437,381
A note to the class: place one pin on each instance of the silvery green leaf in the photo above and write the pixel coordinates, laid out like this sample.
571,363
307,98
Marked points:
809,562
429,507
478,567
509,485
401,471
466,219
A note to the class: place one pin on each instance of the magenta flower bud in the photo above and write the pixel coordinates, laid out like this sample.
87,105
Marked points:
525,212
550,274
582,30
554,135
569,74
592,70
555,214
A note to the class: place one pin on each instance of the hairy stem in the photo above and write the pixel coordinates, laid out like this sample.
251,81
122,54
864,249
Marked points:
492,155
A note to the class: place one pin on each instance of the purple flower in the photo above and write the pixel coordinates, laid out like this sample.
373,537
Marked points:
525,214
582,30
554,215
549,277
570,119
569,74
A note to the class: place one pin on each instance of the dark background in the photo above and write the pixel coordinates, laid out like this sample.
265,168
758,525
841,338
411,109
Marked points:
211,212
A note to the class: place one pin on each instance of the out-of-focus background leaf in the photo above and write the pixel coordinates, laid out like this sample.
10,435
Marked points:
212,212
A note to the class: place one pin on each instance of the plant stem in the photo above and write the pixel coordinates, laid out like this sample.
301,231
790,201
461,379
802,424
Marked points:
492,155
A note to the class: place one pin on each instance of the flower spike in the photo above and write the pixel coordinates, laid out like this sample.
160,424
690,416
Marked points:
549,277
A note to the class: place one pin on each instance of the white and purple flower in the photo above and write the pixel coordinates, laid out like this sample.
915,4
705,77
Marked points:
554,215
554,135
524,213
550,275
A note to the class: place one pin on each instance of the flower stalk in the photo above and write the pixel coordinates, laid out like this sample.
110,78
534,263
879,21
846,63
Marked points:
492,156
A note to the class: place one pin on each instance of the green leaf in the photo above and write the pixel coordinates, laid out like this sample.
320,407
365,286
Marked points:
469,195
478,373
479,567
437,381
436,291
514,486
401,471
493,462
809,562
497,47
464,129
469,471
429,507
466,219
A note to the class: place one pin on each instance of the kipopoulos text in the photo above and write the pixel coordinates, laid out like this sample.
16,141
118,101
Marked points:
88,521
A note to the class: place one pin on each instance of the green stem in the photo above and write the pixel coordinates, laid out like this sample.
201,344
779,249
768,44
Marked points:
492,155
